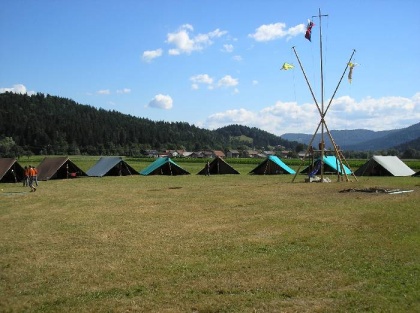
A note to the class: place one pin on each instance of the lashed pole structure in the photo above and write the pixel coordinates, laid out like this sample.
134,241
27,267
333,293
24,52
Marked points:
322,112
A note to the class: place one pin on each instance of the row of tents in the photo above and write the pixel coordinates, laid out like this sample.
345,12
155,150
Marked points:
63,167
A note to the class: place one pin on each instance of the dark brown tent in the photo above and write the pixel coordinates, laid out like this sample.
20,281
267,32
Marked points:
58,168
217,166
10,171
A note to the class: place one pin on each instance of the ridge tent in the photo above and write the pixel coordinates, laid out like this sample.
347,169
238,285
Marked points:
164,166
10,171
331,166
218,166
380,165
272,165
417,174
111,166
58,168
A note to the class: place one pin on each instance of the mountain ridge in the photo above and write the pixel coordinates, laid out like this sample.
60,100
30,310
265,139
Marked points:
363,139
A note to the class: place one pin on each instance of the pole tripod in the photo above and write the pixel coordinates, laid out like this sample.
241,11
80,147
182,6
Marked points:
322,112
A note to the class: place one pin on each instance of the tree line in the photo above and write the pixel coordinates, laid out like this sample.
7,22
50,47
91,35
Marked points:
44,124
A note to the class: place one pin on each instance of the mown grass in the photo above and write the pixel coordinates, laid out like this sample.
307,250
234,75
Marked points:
228,243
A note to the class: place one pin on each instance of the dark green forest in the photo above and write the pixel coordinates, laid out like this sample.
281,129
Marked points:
44,124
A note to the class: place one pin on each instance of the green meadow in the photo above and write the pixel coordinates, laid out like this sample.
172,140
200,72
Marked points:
224,243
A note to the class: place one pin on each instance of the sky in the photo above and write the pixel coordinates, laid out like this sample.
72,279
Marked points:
213,63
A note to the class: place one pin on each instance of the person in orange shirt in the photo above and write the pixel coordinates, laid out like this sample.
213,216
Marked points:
31,174
35,175
26,177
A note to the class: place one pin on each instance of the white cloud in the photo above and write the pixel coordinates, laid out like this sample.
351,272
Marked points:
201,79
124,90
227,48
161,102
149,55
255,82
376,114
186,44
204,79
18,88
345,113
227,81
104,92
275,31
237,58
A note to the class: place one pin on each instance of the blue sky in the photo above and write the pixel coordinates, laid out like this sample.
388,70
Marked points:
216,63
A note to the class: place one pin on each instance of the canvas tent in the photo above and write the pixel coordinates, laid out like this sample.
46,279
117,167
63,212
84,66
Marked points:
218,166
111,166
164,166
272,165
380,165
417,174
10,171
58,168
331,166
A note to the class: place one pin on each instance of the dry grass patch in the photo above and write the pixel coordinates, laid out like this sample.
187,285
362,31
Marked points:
234,243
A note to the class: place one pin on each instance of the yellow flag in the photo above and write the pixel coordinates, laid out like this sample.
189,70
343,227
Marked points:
287,66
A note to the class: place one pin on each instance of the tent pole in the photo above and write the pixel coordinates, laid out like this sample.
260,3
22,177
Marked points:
128,169
307,81
322,143
307,150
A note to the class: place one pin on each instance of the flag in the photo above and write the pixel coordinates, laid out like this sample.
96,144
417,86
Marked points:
287,66
351,66
309,30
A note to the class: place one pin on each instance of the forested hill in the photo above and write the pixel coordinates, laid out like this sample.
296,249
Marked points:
54,125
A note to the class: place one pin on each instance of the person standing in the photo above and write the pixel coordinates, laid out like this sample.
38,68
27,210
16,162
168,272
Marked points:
35,175
31,174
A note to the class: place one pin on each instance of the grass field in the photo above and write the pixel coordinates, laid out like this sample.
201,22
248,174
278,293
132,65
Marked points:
224,243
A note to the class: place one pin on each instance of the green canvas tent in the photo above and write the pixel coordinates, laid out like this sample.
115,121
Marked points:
58,168
331,166
380,165
272,165
218,166
10,171
111,166
164,166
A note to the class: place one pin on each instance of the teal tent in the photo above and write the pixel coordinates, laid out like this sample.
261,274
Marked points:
331,166
164,166
272,165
